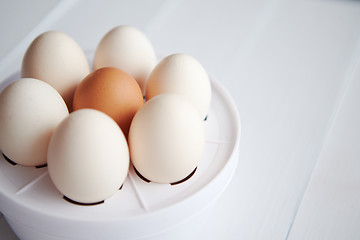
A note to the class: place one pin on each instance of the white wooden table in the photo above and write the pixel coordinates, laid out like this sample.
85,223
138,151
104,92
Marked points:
293,68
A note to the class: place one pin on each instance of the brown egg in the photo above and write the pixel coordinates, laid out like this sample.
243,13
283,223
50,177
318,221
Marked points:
111,91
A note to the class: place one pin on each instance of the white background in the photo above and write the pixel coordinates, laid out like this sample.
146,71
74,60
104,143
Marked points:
293,69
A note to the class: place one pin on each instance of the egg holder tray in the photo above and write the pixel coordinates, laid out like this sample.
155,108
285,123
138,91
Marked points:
35,209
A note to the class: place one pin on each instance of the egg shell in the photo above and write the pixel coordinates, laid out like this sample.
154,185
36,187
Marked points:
57,59
111,91
127,48
88,157
181,74
30,110
166,139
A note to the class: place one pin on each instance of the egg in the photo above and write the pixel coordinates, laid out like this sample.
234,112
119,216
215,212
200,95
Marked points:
30,111
57,59
88,157
127,48
111,91
181,74
166,139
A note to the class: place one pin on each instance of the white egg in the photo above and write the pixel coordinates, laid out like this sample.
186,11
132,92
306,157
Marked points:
127,48
166,139
30,110
88,157
57,59
181,74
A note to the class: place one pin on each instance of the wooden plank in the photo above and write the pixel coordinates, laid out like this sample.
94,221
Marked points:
287,88
331,205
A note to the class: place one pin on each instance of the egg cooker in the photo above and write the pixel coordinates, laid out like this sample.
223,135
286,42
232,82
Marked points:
35,210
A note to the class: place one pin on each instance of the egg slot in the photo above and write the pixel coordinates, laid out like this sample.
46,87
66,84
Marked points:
86,204
14,163
174,183
9,160
41,166
80,203
185,179
141,176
